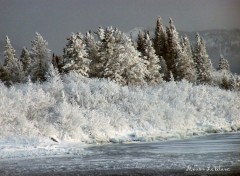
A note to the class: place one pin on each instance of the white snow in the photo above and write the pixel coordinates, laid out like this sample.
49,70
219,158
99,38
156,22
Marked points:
17,147
78,111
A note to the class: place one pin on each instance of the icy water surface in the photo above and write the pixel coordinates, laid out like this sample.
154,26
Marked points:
217,154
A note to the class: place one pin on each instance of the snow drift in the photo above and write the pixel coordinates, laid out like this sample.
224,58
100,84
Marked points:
74,108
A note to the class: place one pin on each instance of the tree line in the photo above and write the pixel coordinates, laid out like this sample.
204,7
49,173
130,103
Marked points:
110,53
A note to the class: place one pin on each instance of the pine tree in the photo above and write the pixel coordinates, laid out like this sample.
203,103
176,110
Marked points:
171,78
237,83
203,63
177,59
134,68
4,75
106,50
41,58
164,70
111,45
153,65
12,67
173,48
57,62
92,48
223,64
160,39
25,58
186,46
132,40
140,42
120,61
76,57
226,81
188,71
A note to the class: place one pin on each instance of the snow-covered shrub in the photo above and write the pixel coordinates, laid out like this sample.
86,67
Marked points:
92,110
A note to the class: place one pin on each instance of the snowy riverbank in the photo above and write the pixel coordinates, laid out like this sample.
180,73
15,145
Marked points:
89,111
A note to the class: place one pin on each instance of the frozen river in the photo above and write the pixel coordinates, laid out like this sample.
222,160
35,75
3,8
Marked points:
217,154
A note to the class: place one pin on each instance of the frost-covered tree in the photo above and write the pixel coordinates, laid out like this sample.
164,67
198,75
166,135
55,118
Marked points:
121,62
40,58
132,40
153,65
140,42
160,39
12,67
223,64
184,68
189,71
226,81
171,78
76,57
202,61
164,70
4,75
177,58
25,58
187,47
233,82
92,48
57,62
237,83
106,50
173,48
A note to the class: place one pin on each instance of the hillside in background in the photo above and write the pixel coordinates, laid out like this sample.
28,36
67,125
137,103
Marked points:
226,42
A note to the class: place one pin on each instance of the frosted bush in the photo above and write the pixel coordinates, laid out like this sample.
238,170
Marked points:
73,107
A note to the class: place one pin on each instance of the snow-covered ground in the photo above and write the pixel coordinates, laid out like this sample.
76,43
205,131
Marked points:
77,111
20,148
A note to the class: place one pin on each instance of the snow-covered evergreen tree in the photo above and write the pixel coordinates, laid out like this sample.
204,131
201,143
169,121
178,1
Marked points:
106,49
132,40
135,70
171,78
189,71
12,67
4,75
202,61
140,42
226,81
121,62
233,82
92,48
164,70
223,64
76,56
40,58
177,58
237,83
57,62
25,58
173,48
187,47
160,39
153,65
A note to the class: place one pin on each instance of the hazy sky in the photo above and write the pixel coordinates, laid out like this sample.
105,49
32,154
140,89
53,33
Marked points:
56,19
